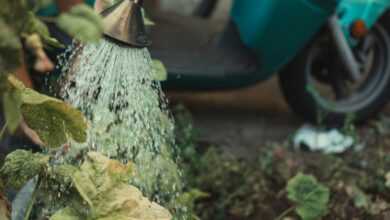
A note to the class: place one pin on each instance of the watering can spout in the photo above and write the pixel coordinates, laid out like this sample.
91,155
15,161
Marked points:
124,23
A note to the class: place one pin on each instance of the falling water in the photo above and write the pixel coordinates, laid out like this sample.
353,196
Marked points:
114,86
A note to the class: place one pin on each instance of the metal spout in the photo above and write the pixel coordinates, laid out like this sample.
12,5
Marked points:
124,23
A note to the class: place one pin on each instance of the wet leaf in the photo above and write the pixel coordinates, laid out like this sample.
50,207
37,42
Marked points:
82,23
54,120
20,166
10,49
103,184
67,214
35,25
160,71
12,101
311,198
188,199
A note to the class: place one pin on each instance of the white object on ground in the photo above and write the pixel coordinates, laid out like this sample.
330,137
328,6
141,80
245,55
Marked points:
329,142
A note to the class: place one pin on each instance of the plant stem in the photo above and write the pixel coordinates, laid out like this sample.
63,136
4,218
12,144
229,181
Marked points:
285,213
3,131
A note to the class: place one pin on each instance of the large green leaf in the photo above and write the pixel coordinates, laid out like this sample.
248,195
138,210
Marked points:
103,185
20,166
10,48
12,102
82,23
311,198
54,120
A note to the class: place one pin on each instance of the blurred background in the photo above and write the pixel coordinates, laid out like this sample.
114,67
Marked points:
240,120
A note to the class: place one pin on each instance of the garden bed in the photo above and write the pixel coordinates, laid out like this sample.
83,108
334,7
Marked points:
237,188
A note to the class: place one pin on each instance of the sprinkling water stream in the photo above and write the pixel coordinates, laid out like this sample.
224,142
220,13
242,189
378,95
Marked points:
115,87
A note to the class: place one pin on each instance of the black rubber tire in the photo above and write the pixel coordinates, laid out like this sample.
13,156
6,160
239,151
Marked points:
294,82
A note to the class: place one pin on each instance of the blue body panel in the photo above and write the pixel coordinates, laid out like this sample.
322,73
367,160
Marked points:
278,29
367,10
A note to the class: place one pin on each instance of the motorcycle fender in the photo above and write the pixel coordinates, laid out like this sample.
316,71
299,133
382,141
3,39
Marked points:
368,11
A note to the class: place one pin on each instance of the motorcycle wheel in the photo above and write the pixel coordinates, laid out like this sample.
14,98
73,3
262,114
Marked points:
318,88
205,8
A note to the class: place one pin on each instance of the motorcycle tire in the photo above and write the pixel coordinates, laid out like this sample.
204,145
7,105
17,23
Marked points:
366,102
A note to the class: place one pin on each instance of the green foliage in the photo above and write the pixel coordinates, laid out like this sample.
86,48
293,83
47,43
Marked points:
18,21
20,166
103,185
311,198
82,23
10,49
35,25
160,71
256,189
359,198
97,189
189,199
53,120
12,101
38,4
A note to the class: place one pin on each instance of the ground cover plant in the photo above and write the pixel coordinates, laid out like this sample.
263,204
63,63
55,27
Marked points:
285,183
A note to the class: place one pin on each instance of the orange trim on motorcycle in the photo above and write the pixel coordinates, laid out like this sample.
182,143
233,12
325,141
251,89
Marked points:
359,29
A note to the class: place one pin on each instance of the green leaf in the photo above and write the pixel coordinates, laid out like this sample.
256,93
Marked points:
20,166
41,3
82,23
10,49
160,71
310,197
12,101
66,214
54,120
103,184
360,199
188,199
35,25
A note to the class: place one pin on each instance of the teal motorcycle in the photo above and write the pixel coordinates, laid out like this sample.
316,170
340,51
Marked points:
332,56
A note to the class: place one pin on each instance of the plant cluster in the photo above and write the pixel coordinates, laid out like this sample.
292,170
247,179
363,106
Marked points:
283,183
50,187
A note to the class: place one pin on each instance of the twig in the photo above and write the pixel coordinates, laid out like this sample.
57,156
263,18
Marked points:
285,213
3,130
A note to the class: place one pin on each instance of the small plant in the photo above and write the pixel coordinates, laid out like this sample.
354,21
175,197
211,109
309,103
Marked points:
310,198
